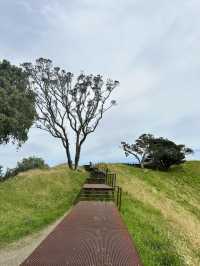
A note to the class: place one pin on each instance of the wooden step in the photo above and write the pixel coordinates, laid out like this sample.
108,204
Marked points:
95,180
97,186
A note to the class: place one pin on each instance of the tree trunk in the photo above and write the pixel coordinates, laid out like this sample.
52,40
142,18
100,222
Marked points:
78,149
68,157
79,143
65,143
142,160
142,164
77,157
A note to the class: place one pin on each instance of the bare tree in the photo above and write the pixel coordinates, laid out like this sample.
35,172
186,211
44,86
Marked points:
66,103
140,149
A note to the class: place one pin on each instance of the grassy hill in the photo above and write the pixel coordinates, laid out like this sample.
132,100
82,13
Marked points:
36,198
161,209
162,212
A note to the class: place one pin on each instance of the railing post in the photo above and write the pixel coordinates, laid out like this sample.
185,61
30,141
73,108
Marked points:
117,196
106,171
115,180
120,198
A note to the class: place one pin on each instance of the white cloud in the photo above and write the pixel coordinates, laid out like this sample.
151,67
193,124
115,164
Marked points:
151,47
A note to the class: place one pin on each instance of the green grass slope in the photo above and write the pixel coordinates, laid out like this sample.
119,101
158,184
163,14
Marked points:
161,209
36,198
162,212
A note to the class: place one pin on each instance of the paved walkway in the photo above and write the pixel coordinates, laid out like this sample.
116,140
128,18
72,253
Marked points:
93,234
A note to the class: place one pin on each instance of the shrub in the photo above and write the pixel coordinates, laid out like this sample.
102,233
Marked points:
24,165
31,163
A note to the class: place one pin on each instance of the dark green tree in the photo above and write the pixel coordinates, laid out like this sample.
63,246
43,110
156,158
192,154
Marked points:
165,153
68,106
155,152
17,104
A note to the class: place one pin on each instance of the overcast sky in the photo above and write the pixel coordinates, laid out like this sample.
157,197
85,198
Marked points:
151,47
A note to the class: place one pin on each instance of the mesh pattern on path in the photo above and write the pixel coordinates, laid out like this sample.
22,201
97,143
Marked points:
93,234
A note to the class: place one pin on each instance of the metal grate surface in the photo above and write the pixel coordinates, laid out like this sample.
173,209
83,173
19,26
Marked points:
93,234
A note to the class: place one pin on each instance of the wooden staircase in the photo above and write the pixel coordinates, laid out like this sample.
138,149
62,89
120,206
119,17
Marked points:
100,186
97,192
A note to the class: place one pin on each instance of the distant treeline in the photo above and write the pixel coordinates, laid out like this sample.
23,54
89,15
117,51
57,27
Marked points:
24,165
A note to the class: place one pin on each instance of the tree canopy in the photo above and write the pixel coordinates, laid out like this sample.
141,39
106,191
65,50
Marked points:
17,104
69,104
156,152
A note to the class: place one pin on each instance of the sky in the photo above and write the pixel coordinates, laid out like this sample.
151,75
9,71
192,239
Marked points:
151,47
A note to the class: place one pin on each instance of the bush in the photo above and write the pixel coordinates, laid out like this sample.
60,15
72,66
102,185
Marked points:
31,163
24,165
